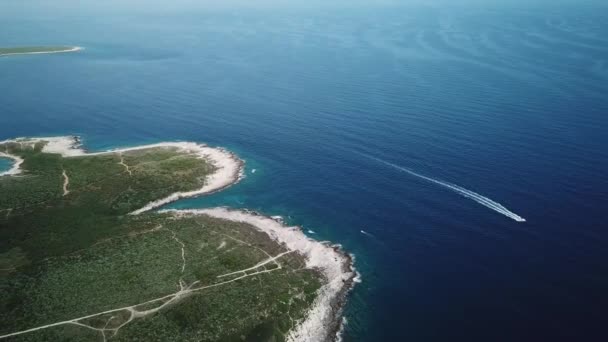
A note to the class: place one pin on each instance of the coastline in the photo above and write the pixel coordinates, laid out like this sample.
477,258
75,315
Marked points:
228,167
73,49
323,321
15,169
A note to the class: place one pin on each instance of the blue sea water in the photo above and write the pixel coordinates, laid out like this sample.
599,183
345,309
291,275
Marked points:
5,164
509,101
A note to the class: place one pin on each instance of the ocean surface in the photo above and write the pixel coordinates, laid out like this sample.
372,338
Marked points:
407,133
5,164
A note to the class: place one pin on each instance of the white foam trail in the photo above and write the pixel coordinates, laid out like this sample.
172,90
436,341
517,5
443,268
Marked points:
486,202
72,49
366,233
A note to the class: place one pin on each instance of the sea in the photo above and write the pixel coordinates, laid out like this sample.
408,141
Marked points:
415,134
5,164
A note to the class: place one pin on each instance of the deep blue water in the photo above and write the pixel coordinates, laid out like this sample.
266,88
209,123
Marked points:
507,101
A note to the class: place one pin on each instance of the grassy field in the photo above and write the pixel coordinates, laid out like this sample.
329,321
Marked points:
34,49
75,266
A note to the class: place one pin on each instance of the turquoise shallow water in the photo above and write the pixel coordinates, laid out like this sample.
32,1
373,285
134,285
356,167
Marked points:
5,164
507,101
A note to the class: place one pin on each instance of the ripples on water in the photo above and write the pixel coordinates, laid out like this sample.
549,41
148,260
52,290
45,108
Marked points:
510,103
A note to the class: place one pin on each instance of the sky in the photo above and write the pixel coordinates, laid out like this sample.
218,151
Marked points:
176,5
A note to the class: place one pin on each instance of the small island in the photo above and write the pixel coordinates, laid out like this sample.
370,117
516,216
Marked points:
83,256
34,50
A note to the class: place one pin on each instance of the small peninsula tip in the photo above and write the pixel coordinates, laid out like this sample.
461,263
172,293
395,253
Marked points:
84,258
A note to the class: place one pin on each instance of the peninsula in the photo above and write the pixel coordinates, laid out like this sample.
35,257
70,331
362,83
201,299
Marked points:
83,256
34,50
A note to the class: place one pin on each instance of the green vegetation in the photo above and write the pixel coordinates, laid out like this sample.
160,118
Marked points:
34,49
71,255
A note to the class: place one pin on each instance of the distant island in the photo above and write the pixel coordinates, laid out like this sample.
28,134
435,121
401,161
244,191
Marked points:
84,258
32,50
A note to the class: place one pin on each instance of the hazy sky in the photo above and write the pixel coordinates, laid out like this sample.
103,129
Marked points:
37,9
184,4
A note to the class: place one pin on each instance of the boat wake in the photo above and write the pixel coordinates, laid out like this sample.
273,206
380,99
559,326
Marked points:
366,233
486,202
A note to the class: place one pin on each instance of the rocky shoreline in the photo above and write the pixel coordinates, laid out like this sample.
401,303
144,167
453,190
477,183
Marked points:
323,321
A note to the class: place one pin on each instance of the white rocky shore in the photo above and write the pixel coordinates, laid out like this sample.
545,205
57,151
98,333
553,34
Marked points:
228,167
323,321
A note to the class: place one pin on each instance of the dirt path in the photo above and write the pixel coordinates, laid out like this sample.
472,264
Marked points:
66,182
183,250
166,300
122,162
